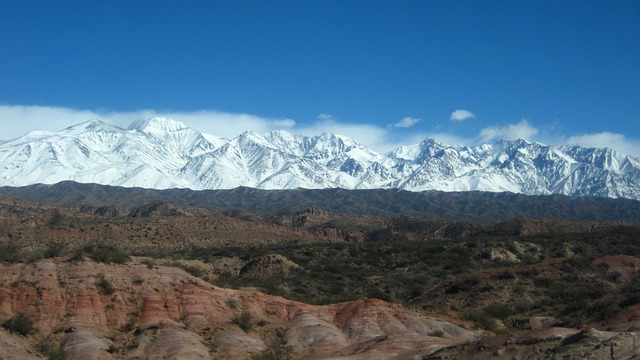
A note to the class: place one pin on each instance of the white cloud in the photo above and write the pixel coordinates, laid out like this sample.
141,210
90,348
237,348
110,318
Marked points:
461,115
521,130
615,141
407,122
285,123
16,121
375,137
450,139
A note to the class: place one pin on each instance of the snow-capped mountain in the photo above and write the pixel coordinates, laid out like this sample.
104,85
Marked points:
162,153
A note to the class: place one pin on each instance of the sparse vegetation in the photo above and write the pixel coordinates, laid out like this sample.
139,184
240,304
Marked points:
104,286
10,253
483,319
150,263
490,273
276,350
191,269
244,321
105,253
49,348
233,303
19,324
131,323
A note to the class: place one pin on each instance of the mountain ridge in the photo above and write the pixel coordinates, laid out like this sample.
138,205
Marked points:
161,153
464,206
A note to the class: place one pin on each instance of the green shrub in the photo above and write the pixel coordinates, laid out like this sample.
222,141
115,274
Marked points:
464,285
131,323
277,350
484,320
105,287
193,270
19,324
52,250
108,254
530,273
101,253
499,311
10,253
51,350
244,321
150,263
233,303
506,275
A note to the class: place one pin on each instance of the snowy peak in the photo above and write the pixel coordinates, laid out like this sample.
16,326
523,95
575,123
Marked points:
156,125
164,153
94,125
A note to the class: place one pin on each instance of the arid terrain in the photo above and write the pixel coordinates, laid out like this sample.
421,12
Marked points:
164,281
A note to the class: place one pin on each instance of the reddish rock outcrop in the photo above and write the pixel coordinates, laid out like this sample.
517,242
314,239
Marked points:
101,311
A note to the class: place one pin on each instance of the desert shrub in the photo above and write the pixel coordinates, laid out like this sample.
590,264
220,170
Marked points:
498,311
108,254
49,348
487,288
277,350
150,263
568,292
506,275
193,270
437,333
131,323
270,286
377,293
105,287
576,264
19,324
630,293
55,219
543,282
244,321
604,309
52,250
614,276
464,285
101,253
233,303
10,253
484,320
530,273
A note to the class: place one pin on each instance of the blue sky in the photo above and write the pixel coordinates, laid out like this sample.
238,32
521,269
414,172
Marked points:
382,72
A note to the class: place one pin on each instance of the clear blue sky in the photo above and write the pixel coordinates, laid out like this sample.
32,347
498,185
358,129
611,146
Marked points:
550,71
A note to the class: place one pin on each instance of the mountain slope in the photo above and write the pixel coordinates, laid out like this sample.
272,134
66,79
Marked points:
161,153
473,205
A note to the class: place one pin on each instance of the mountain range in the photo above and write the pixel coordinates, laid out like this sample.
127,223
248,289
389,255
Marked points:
161,153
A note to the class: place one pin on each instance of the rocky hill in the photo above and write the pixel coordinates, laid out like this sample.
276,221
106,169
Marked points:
94,310
467,206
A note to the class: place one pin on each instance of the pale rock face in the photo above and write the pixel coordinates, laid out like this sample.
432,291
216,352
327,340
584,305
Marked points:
161,153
